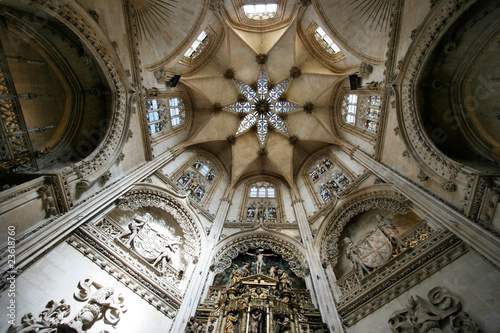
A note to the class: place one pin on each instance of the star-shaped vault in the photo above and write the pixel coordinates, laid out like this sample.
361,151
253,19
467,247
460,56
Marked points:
260,125
264,106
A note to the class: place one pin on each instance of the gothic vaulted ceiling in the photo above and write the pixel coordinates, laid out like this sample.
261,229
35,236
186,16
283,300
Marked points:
263,96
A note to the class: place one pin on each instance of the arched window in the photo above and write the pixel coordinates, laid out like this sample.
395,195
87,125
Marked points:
205,168
164,113
193,182
262,204
362,111
330,179
326,41
261,190
260,11
198,45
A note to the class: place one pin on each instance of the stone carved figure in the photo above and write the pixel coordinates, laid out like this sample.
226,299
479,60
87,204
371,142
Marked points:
260,259
133,228
255,321
272,271
236,276
230,326
165,256
352,253
104,302
246,268
390,231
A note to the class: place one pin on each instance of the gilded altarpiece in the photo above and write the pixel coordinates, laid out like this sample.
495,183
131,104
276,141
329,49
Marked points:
258,293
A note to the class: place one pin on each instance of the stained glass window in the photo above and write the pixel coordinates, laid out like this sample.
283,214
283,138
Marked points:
205,168
164,113
362,111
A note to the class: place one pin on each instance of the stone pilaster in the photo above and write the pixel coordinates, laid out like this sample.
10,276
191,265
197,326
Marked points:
201,275
319,278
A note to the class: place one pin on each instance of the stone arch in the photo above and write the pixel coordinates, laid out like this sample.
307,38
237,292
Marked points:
291,251
76,18
151,197
377,198
420,145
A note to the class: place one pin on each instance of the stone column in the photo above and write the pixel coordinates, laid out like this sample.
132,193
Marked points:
319,280
471,233
201,273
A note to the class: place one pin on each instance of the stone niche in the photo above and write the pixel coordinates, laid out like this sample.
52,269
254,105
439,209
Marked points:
382,254
156,222
362,225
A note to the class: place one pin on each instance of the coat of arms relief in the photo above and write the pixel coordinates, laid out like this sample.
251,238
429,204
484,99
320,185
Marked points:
375,248
152,243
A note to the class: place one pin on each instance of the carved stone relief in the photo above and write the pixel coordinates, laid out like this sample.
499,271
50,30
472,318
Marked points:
442,309
393,203
101,303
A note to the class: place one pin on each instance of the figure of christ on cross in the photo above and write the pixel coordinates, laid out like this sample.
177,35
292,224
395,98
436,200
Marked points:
260,259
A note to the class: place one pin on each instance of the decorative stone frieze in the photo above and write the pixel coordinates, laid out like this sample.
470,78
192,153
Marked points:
151,198
101,303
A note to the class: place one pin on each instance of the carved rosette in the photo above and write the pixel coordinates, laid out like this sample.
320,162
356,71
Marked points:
329,249
290,252
149,198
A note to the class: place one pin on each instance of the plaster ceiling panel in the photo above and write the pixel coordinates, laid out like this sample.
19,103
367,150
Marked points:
309,86
311,65
280,152
218,127
167,27
244,152
262,165
261,42
307,127
282,56
362,21
302,150
242,58
214,89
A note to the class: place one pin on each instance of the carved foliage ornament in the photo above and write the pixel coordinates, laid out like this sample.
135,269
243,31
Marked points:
422,316
149,198
393,203
104,303
288,251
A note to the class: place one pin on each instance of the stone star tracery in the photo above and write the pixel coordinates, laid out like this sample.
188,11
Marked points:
263,106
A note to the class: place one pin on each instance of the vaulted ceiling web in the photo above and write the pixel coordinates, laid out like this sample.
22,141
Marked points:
291,137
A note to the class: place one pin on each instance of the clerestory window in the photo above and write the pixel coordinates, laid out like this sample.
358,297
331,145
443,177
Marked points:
362,111
198,45
262,190
260,11
164,113
326,41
